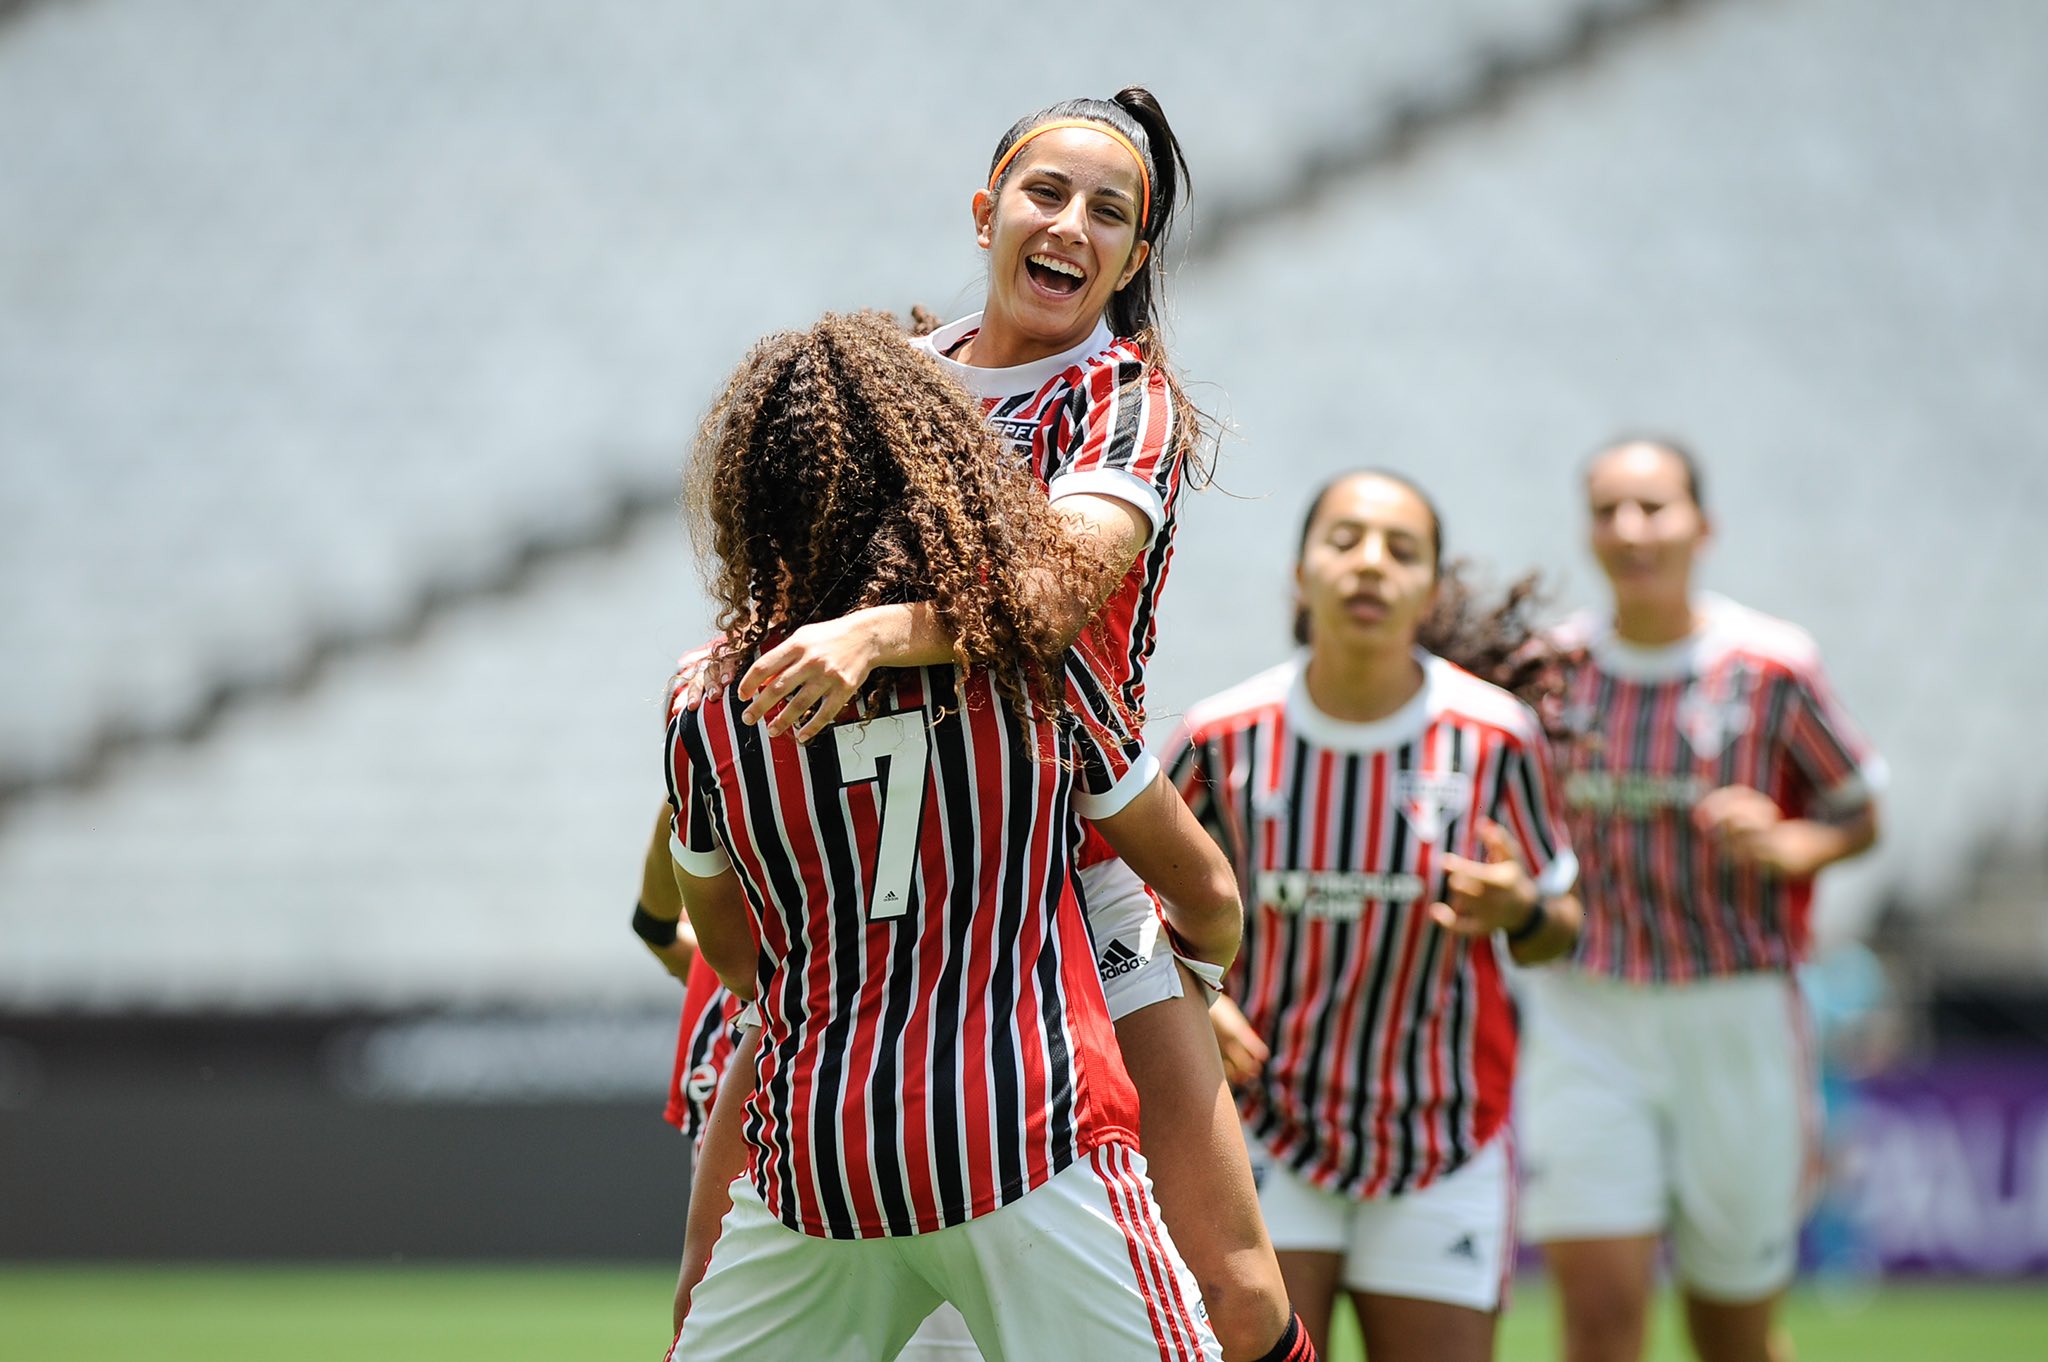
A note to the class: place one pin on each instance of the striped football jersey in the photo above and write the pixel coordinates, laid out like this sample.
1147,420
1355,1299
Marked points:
1742,702
935,1042
1093,419
704,1046
1393,1040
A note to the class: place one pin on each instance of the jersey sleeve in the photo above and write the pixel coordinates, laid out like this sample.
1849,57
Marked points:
1113,437
1829,750
1112,765
693,837
1529,808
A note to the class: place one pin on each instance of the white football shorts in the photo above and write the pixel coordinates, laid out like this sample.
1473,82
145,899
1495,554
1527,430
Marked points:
1133,954
1689,1108
1080,1267
1451,1241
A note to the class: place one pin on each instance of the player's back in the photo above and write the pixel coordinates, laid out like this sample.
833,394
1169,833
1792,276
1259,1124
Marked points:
934,1039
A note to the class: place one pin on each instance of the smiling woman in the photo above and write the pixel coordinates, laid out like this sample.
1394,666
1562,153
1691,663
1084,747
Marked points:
1068,364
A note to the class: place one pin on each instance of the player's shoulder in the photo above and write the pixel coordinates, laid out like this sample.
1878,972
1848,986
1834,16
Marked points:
1456,692
1738,628
1245,704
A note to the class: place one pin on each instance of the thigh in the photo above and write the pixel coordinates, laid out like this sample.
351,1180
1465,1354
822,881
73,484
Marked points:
1588,1118
1403,1329
1313,1281
1132,953
1743,1130
1446,1243
1201,1173
772,1292
1081,1267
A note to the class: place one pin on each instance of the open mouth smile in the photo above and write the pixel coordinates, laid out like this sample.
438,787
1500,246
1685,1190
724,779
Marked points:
1062,278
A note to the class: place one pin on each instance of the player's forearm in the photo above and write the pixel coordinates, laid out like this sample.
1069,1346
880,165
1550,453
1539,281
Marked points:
660,899
905,635
1160,840
1555,936
1807,846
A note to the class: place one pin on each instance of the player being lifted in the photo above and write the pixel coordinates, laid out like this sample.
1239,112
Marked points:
1393,825
939,1109
1068,362
1668,1086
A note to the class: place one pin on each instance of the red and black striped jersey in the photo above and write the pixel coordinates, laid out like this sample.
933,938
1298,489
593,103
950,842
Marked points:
935,1042
1393,1040
704,1046
1742,702
1093,419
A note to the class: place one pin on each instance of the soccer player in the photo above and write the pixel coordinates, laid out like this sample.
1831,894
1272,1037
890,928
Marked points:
1393,825
1068,361
1668,1087
939,1110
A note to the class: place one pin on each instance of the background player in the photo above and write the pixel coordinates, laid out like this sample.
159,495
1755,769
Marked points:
1389,815
1068,360
1668,1085
940,1112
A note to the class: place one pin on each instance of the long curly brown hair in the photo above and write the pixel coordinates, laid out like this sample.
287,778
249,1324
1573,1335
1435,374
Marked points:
840,469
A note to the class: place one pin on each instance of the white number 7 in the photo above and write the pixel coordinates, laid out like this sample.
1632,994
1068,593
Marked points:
907,742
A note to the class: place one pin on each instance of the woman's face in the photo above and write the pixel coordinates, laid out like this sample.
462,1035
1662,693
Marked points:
1647,530
1367,574
1062,236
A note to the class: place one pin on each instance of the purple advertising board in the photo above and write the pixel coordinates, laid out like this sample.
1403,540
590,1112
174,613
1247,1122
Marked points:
1942,1169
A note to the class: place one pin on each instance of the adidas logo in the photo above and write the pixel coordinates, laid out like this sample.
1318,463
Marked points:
1466,1248
1118,961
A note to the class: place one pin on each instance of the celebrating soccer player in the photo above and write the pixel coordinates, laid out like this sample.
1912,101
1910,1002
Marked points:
1067,360
939,1110
1668,1085
1393,824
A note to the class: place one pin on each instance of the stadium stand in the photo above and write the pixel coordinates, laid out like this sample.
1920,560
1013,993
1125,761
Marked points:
319,340
335,344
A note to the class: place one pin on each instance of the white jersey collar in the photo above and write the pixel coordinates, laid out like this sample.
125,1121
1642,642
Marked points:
1403,725
1019,378
1665,661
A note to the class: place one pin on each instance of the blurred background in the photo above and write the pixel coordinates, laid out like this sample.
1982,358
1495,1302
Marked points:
349,351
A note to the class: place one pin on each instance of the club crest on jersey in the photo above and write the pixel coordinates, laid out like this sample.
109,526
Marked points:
1430,800
700,1085
1709,724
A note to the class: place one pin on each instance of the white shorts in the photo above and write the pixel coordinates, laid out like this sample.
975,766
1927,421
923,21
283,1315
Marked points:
1687,1107
1080,1267
1451,1241
1132,952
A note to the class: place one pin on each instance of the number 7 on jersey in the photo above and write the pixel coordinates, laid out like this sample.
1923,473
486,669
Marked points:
907,742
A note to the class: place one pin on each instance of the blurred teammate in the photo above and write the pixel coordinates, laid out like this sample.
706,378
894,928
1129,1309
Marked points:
1668,1087
1069,364
939,1112
1392,822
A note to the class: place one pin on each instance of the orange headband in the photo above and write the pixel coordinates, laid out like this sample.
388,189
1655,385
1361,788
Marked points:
1093,125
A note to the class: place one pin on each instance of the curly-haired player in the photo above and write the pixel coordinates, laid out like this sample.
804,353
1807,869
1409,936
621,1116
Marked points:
939,1111
1068,361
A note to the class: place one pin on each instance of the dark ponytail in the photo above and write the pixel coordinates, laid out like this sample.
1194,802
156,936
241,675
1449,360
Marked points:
1134,309
1496,640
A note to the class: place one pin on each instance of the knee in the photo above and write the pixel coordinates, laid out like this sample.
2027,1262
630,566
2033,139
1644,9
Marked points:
1248,1309
1604,1323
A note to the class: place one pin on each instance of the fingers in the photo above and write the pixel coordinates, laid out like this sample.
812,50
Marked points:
1451,920
1500,848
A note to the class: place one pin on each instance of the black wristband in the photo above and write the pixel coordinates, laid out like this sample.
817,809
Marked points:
655,931
1538,915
